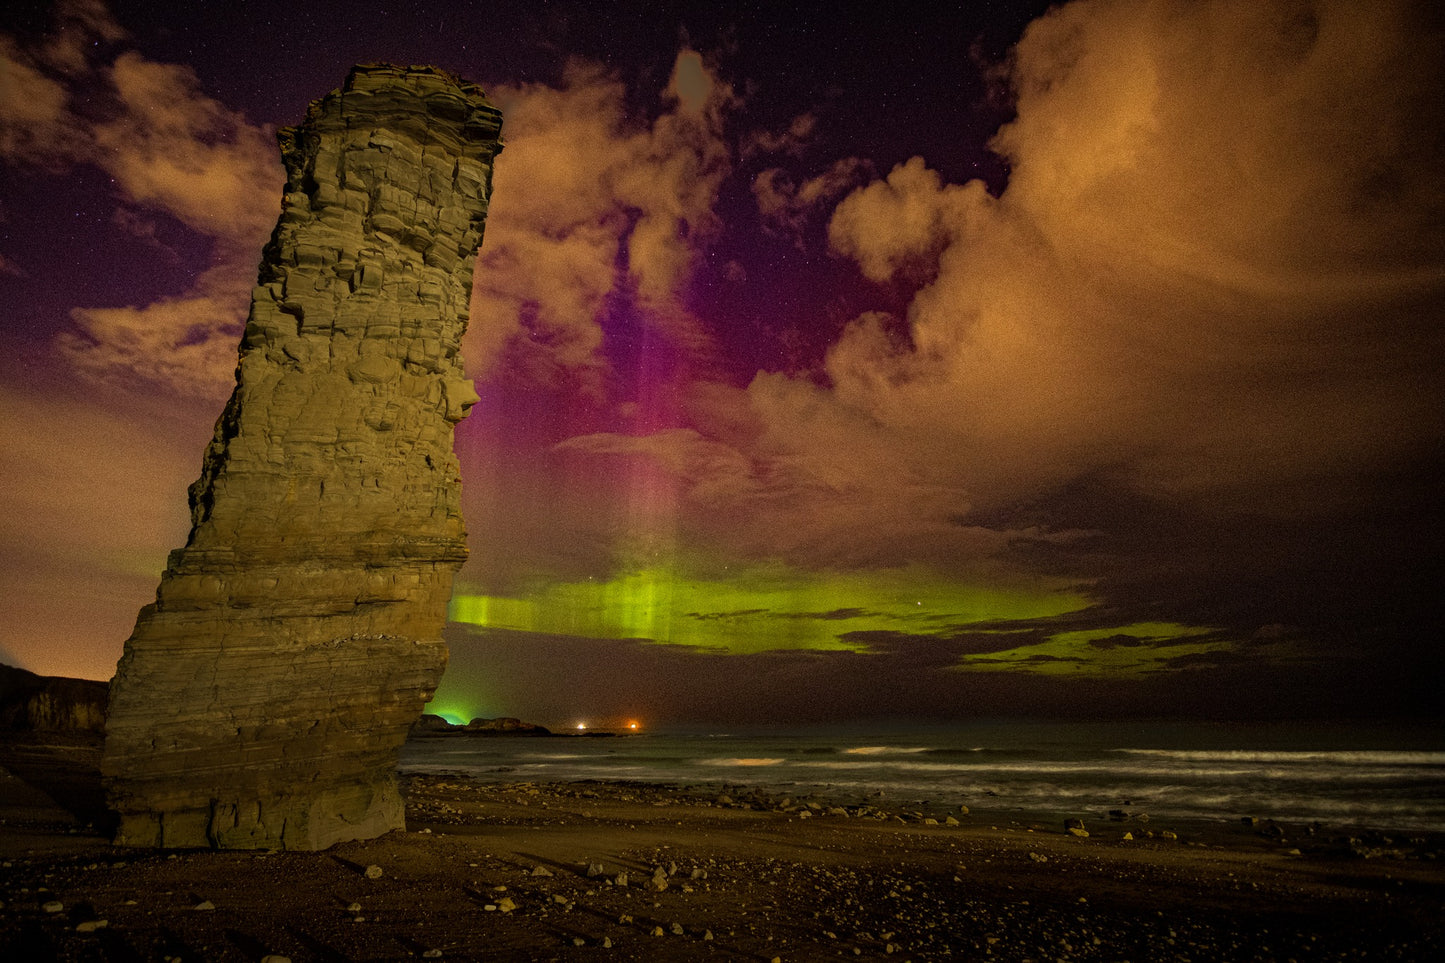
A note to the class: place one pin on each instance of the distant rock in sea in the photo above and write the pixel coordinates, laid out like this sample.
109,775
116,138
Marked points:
433,725
45,703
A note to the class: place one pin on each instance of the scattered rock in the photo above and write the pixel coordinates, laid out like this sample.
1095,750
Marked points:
372,872
90,926
204,905
53,906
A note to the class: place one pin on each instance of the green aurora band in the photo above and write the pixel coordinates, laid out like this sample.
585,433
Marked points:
766,610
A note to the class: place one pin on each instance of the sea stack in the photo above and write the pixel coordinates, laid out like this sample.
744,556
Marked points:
263,698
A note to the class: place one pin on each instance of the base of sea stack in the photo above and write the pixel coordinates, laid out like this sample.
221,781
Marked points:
296,822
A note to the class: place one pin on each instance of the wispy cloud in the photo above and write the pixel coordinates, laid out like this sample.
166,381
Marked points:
593,202
78,98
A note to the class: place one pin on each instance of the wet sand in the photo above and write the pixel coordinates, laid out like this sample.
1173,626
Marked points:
609,871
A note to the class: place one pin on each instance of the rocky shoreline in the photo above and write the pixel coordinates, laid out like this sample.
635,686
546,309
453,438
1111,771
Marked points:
623,871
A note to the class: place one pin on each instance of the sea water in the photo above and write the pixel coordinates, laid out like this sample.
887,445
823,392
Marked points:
1388,778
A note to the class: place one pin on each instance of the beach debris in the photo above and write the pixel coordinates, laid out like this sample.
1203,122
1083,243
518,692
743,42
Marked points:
1074,826
372,872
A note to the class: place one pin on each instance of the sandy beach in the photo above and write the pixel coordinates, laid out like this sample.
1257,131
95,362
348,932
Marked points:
586,871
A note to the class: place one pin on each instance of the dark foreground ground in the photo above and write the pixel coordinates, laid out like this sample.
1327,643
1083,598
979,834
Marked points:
622,872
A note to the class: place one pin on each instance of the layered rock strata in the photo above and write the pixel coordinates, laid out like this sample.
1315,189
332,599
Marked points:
262,699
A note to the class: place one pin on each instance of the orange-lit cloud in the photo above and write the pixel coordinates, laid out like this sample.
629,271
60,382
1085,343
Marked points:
787,206
1211,286
171,151
591,201
1217,263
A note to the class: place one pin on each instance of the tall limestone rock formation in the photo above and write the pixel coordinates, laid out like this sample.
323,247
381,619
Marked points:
263,698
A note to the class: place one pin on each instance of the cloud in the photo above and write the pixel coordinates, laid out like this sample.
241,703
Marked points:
787,207
187,345
593,203
172,148
801,132
1213,266
1171,360
171,151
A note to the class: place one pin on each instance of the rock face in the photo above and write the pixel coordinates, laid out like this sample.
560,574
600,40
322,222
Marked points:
262,699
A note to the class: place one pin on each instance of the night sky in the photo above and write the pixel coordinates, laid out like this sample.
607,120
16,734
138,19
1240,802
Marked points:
1006,361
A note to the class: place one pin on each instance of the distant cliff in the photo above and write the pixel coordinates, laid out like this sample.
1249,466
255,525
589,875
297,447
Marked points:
41,703
430,725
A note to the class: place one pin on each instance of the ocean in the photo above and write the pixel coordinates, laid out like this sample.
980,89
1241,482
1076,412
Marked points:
1341,776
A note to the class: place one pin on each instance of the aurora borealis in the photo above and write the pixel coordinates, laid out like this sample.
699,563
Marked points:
1004,361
